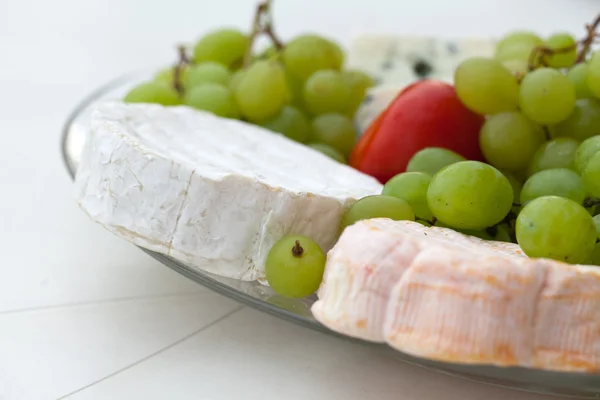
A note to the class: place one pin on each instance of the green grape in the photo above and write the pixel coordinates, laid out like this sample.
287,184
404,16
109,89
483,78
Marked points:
236,78
517,46
306,54
358,82
412,188
561,182
557,228
378,206
561,59
546,96
431,159
578,77
207,72
328,151
291,123
167,75
326,91
556,153
470,195
591,175
516,186
153,92
593,74
213,98
262,91
508,140
485,86
594,258
295,266
585,151
596,220
335,130
225,46
583,123
338,54
504,233
518,68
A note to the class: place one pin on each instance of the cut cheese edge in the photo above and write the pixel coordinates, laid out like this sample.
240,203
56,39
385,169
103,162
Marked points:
438,294
211,192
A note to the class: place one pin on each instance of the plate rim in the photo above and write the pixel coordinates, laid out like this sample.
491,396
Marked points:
463,371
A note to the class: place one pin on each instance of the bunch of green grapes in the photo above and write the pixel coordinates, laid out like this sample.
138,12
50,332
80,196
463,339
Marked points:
298,89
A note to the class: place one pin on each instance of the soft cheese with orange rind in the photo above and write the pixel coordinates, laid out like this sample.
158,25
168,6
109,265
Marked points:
442,295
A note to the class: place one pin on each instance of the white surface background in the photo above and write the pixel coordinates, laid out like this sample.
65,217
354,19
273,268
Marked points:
84,315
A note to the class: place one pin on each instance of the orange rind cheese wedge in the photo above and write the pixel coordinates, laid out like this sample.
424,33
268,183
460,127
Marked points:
438,294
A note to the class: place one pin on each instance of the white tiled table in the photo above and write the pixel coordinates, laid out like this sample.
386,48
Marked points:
84,315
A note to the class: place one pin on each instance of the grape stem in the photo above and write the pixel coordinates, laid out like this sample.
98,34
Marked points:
297,250
262,24
178,69
586,43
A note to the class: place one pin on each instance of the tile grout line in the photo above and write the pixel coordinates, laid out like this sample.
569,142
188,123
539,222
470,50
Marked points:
148,357
99,302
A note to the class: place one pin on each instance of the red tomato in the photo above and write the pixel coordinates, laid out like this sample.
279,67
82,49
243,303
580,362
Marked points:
427,113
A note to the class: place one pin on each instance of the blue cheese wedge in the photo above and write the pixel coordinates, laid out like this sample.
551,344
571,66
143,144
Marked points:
213,193
395,62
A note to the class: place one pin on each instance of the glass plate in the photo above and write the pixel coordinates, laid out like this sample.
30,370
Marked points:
298,311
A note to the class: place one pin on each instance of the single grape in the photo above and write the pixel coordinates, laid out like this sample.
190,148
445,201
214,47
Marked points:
412,188
167,75
556,153
326,91
295,266
516,186
518,68
358,82
306,54
585,151
583,123
578,77
481,234
546,96
591,175
561,182
593,74
153,92
236,78
207,72
557,228
470,195
504,233
262,91
561,59
596,220
335,130
213,98
485,86
594,258
225,46
431,159
508,140
517,46
378,206
291,123
338,54
328,151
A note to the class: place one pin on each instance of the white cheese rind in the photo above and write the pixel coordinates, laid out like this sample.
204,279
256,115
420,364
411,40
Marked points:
213,193
438,294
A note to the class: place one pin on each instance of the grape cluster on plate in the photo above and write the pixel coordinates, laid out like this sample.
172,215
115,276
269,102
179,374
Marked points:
298,89
541,140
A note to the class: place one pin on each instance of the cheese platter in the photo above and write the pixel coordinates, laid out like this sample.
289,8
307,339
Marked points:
417,195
